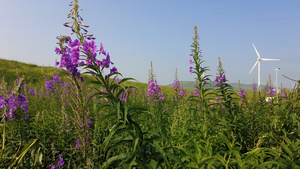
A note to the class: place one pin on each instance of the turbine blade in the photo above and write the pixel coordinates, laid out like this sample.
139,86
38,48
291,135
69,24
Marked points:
253,66
256,51
267,59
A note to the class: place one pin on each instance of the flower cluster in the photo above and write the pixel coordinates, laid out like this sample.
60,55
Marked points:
220,80
196,92
72,60
31,91
79,144
12,103
177,87
270,91
154,91
179,91
59,163
51,84
242,93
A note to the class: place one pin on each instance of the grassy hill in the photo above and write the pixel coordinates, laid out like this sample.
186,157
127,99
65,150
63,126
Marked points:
10,70
36,75
191,84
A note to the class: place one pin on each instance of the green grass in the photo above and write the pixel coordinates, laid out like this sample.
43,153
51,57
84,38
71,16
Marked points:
250,133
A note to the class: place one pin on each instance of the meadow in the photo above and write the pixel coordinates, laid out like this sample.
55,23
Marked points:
84,114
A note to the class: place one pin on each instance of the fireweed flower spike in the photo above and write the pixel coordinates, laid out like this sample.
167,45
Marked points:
90,48
177,88
270,91
220,80
13,102
113,70
61,161
242,93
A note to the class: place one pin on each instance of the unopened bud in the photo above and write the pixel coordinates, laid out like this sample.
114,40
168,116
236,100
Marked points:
84,25
84,30
66,24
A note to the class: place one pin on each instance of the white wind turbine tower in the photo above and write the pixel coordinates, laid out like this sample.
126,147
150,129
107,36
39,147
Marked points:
258,65
276,80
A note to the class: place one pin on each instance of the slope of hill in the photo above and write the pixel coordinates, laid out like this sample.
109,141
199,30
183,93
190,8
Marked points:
191,84
10,70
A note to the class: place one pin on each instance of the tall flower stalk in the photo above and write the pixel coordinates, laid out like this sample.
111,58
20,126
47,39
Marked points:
154,92
224,90
179,91
82,54
202,85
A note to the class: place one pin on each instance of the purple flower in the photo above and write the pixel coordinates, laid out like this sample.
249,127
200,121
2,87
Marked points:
220,80
31,91
196,92
102,50
67,60
22,102
190,62
242,93
49,85
56,78
2,102
154,91
52,166
90,48
89,121
113,70
182,92
26,116
254,87
58,51
107,61
176,87
222,107
133,90
61,161
191,69
12,103
75,50
78,143
270,91
66,85
176,84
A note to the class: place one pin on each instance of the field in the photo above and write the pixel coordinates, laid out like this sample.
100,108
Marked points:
65,118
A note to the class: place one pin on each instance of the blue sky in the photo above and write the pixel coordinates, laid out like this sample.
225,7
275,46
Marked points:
137,32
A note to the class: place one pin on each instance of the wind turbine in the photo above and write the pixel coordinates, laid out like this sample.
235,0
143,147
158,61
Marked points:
258,64
276,79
